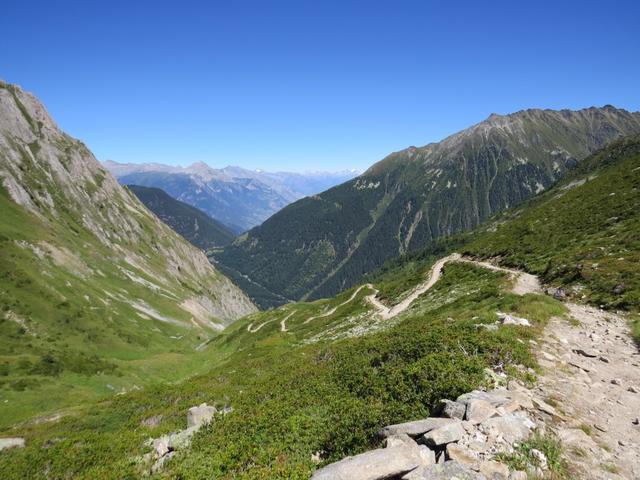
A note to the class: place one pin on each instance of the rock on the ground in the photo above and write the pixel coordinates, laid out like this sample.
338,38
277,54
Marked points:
510,428
518,475
507,319
373,465
478,411
451,409
494,470
200,415
496,398
451,470
415,428
463,455
11,442
449,433
399,440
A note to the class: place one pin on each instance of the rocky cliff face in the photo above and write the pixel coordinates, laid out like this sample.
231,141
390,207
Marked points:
56,180
323,244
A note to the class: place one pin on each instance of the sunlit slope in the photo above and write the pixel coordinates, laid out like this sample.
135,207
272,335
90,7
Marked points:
96,294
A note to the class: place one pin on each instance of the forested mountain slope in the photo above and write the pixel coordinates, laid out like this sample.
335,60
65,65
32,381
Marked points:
196,226
323,244
96,293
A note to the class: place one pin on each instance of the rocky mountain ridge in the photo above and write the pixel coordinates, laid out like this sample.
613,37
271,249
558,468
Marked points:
413,197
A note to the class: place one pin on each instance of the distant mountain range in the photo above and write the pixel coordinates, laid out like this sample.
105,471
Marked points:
194,225
323,244
239,198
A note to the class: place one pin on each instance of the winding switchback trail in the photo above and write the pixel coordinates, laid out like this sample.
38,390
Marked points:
283,324
333,310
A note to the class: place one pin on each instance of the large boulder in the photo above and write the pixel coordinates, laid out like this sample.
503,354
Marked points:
415,428
374,465
200,415
449,433
451,470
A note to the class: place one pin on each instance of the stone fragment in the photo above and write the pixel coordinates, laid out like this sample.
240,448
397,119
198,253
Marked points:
511,428
496,398
518,475
445,471
616,381
633,389
443,435
415,428
586,352
544,407
494,470
463,455
478,411
399,440
451,409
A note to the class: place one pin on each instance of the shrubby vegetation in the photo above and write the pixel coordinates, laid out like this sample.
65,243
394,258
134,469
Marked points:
292,399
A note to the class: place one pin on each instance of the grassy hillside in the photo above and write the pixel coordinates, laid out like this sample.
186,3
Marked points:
97,296
194,225
583,235
319,386
414,197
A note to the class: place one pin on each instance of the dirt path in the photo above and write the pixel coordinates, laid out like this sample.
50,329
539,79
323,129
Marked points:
523,283
592,375
333,310
283,323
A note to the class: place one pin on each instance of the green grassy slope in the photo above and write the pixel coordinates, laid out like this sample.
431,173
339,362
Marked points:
97,296
583,235
196,226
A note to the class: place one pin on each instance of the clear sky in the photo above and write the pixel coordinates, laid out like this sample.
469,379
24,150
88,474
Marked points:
302,85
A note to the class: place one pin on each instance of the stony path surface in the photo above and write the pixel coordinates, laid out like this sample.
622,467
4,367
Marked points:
592,375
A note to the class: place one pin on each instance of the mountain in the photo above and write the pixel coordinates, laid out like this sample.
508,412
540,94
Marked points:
97,294
312,382
323,244
196,226
239,198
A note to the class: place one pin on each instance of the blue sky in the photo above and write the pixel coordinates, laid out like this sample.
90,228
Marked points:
308,85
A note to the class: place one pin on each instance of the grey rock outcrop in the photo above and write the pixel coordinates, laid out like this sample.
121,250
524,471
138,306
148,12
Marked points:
11,442
373,465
